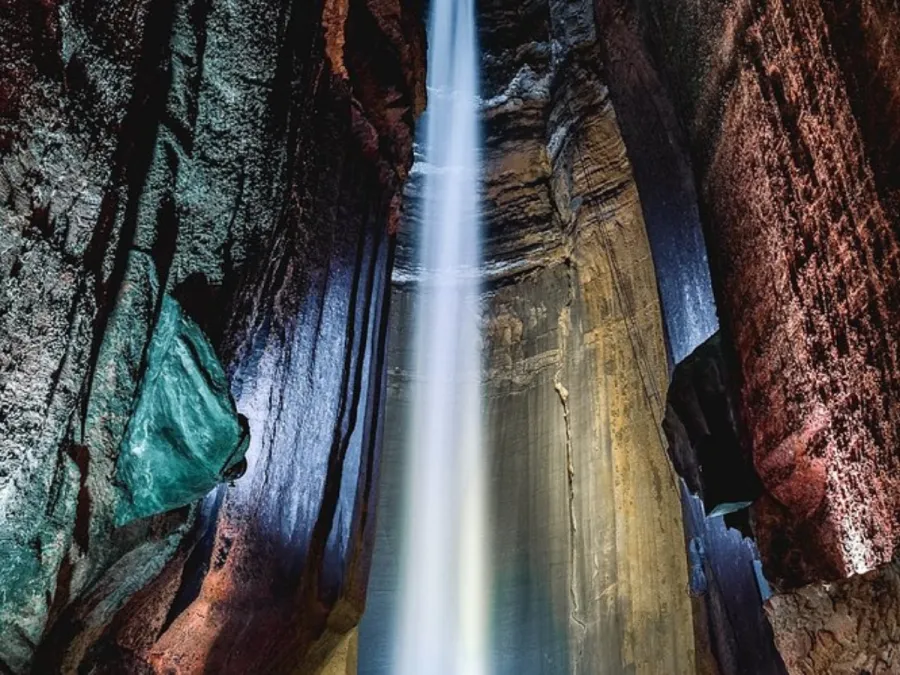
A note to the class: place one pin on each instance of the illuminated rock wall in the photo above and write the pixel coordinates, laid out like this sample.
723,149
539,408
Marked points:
802,218
791,116
658,152
247,158
586,541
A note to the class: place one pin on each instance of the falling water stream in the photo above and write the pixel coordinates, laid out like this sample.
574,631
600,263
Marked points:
443,624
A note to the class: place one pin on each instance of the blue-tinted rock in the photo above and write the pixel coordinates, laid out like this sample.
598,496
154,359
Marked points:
184,435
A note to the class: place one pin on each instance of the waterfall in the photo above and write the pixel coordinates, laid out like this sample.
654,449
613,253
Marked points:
443,622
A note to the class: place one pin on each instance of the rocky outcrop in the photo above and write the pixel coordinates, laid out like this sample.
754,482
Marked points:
586,542
802,217
845,628
706,442
731,630
247,159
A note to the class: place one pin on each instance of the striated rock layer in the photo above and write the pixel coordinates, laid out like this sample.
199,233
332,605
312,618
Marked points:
248,159
586,541
791,113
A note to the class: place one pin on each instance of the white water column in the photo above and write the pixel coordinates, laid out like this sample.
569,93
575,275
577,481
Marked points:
443,627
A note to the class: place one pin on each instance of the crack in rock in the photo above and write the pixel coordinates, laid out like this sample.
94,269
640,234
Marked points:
563,393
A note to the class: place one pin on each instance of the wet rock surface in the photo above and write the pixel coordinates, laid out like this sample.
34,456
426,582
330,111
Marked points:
247,160
732,632
708,450
587,547
659,154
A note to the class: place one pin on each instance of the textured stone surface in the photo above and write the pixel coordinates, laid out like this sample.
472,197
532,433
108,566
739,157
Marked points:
586,547
865,38
248,159
729,615
657,149
344,659
236,156
844,628
801,209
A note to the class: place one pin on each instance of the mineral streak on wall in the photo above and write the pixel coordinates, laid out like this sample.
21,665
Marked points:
588,564
792,114
247,160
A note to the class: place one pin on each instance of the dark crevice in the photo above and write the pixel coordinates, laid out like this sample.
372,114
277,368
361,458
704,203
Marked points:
198,562
82,458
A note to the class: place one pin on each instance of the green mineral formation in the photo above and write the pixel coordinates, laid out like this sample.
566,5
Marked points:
184,435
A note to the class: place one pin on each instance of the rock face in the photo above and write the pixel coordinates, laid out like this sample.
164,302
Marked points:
732,633
791,114
588,566
658,152
706,441
246,158
797,180
845,628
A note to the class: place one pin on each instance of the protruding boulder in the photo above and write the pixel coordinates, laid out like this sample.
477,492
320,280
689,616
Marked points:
184,435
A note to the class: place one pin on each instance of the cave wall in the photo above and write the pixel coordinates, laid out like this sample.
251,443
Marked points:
586,540
789,115
848,627
802,222
246,158
660,158
709,451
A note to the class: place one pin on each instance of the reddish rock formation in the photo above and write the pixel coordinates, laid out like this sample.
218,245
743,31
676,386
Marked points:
846,628
800,206
865,37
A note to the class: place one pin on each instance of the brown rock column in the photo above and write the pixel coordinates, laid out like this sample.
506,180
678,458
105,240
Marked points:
586,539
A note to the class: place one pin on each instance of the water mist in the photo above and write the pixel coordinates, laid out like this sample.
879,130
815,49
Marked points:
443,623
